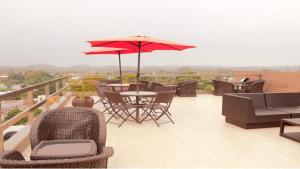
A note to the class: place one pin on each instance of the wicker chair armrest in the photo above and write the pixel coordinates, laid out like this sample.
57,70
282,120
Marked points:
12,155
107,152
97,161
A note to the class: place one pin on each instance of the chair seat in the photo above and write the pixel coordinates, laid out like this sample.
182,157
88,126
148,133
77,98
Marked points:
62,149
124,107
270,112
295,109
155,106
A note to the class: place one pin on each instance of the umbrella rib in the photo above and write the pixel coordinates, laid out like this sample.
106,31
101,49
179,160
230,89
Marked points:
147,44
106,43
169,46
161,44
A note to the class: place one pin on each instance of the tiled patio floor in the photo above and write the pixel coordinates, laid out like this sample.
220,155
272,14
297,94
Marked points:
199,138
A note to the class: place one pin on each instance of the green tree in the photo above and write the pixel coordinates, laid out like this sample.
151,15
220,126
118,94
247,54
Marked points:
12,114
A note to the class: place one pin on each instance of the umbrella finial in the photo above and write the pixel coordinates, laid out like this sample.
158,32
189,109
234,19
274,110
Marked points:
141,36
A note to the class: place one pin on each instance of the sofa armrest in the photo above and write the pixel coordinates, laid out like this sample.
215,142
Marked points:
237,107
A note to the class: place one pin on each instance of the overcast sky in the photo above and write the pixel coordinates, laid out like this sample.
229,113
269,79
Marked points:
226,32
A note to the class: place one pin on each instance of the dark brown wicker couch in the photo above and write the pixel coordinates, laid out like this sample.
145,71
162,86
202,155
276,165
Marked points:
221,87
187,88
257,110
65,123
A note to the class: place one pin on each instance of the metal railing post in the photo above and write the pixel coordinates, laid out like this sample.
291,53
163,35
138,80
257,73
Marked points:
30,117
47,91
1,140
29,99
1,114
57,86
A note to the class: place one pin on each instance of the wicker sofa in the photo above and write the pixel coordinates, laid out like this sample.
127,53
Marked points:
187,88
56,125
258,110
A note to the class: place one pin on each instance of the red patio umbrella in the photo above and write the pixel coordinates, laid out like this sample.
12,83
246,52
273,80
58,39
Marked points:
117,51
139,43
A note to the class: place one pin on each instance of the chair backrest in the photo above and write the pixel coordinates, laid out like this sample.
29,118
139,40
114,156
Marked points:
144,81
113,97
163,88
113,81
256,87
221,87
100,83
164,97
69,123
187,81
133,86
101,89
282,99
152,85
243,80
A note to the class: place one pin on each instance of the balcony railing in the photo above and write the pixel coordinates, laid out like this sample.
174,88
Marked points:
61,87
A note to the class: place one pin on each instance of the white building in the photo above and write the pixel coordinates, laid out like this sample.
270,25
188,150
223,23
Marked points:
16,87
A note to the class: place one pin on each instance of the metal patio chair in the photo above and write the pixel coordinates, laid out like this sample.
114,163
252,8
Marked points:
159,107
120,108
103,99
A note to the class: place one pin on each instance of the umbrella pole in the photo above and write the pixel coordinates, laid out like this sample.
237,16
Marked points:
120,69
138,69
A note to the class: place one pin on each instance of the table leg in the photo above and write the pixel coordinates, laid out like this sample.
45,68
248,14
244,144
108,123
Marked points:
281,128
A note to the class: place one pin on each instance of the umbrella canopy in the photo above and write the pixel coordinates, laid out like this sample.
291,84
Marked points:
143,42
116,51
140,43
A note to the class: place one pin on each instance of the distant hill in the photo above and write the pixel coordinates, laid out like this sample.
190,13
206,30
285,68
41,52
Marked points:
27,78
4,70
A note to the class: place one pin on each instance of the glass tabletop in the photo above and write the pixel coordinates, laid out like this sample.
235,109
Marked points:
119,85
138,93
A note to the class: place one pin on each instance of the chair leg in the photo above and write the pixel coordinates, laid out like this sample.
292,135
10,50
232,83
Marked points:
165,113
149,115
128,115
97,101
114,113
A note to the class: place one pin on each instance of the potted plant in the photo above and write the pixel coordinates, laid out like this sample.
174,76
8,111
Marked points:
81,100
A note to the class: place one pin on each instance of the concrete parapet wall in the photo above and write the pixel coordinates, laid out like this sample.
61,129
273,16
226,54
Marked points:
275,81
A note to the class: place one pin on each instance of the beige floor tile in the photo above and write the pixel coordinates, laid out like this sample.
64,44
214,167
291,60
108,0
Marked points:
200,138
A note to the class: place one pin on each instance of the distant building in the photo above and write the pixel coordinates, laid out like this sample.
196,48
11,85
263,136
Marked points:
39,98
75,76
16,87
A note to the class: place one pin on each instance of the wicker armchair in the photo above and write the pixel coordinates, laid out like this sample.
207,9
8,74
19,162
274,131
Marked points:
221,87
151,86
65,123
254,86
14,159
187,88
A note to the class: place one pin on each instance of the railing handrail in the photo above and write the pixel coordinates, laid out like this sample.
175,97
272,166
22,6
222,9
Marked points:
26,89
24,113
